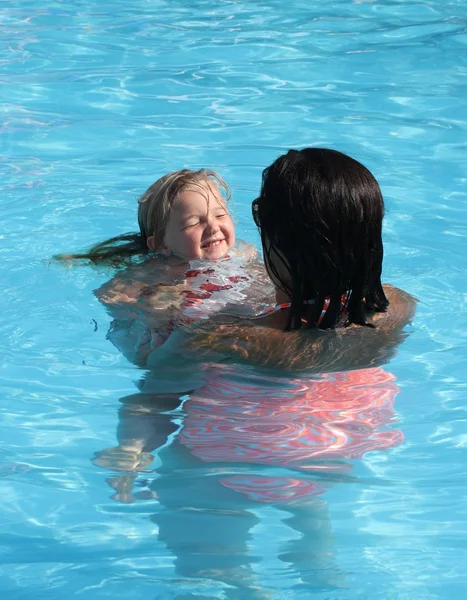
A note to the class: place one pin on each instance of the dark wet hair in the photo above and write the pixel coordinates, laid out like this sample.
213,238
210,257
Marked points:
320,213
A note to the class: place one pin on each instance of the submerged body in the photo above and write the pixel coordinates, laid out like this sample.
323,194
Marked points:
306,425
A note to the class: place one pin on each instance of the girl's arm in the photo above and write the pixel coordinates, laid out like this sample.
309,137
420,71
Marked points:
143,303
126,295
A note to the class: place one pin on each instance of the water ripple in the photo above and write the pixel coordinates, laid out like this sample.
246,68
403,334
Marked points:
100,100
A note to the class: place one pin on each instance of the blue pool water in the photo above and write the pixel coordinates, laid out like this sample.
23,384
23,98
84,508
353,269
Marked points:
100,99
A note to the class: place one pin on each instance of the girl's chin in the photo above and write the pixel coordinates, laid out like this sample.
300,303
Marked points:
214,252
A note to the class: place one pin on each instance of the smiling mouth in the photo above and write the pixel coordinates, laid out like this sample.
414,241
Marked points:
212,244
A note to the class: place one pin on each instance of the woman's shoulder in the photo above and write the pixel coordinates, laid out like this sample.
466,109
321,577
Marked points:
400,311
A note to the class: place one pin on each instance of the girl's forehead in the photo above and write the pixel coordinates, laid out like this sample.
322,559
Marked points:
198,196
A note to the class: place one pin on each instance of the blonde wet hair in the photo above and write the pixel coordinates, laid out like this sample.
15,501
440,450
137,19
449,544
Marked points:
154,208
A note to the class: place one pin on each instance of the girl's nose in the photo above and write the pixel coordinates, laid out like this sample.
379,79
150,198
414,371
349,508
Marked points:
212,224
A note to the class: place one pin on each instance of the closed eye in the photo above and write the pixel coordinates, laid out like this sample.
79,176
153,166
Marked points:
191,224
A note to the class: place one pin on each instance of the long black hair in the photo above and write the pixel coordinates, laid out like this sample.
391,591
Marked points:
320,214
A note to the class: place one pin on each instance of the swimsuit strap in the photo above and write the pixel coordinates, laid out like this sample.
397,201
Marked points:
326,303
344,302
286,305
283,306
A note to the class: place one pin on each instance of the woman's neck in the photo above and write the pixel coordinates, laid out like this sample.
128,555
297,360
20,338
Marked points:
282,297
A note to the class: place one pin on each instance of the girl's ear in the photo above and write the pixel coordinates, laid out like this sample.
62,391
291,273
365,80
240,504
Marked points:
151,243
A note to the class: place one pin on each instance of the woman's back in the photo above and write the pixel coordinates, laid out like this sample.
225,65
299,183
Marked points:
263,342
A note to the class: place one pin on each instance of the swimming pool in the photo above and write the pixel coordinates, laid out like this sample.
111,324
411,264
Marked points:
100,100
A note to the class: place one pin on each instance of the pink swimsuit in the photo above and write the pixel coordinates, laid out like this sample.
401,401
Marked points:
299,424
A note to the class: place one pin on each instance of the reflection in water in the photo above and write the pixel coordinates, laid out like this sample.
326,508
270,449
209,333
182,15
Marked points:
247,440
289,423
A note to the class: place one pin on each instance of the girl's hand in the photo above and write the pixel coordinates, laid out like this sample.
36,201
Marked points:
120,291
123,486
122,459
162,296
245,250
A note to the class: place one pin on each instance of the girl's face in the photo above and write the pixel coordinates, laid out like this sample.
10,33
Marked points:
200,225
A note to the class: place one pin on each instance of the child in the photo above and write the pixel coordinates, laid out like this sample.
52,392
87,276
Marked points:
184,222
199,227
